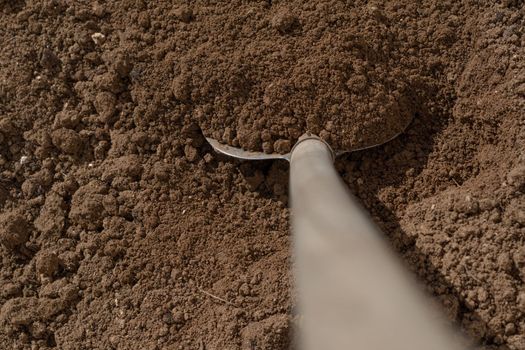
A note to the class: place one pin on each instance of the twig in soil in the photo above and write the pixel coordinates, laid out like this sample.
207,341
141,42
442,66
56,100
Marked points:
216,297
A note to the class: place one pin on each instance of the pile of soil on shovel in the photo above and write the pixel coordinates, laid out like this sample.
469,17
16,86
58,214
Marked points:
121,229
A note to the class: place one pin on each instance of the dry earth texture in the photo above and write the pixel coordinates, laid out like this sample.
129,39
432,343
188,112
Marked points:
121,229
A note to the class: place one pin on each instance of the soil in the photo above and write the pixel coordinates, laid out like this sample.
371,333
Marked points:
121,229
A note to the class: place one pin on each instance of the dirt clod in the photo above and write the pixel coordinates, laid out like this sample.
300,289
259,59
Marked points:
87,209
184,13
14,230
282,146
284,21
105,105
67,141
47,263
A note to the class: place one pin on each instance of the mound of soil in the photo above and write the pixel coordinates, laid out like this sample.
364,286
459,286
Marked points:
121,229
277,71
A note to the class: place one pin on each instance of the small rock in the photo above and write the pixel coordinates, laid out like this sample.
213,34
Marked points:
98,38
269,333
325,135
487,204
515,213
495,216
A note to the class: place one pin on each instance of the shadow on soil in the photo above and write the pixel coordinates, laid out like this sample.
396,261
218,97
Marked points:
270,180
419,138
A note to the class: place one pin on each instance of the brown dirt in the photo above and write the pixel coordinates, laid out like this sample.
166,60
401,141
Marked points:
120,228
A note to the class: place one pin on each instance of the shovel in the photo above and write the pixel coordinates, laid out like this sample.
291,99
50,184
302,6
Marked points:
353,292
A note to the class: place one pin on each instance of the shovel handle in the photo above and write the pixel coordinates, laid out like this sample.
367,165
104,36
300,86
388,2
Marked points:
353,291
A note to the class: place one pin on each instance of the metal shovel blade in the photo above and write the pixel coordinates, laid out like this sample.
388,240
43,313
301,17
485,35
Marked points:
240,153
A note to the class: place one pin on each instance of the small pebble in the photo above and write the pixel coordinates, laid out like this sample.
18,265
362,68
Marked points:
98,38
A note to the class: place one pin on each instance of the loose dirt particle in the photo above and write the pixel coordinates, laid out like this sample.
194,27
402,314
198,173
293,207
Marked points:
516,177
109,81
86,206
284,21
67,141
46,263
181,89
191,153
14,230
282,146
105,105
184,14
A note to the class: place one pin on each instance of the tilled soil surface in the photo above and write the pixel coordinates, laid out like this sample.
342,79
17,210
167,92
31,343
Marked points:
121,229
